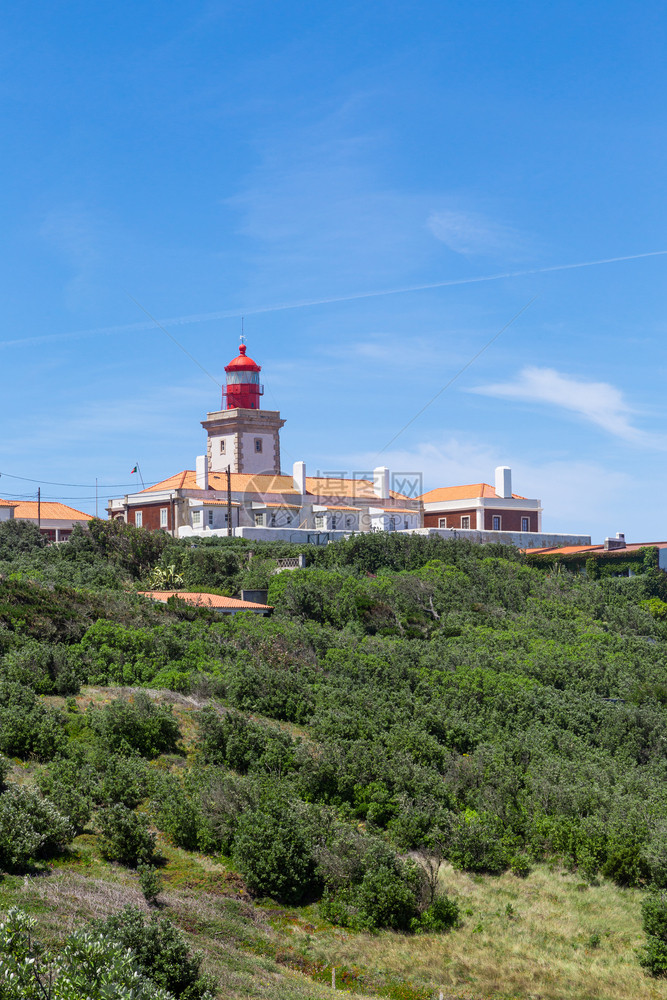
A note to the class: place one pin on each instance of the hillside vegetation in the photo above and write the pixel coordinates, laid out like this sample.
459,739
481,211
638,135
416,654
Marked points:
435,767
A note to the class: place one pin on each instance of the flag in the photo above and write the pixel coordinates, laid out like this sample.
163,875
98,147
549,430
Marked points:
134,469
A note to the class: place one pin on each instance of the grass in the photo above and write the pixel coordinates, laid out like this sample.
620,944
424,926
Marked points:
547,937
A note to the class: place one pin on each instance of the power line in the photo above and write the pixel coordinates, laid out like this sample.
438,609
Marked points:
458,374
178,344
83,486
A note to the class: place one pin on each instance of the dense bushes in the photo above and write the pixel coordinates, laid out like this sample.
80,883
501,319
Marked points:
136,726
445,694
273,852
121,959
27,727
124,836
30,827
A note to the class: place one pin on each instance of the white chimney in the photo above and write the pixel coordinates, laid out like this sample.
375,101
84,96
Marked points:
202,472
299,477
504,482
381,482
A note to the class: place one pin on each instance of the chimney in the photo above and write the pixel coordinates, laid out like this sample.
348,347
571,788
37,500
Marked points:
202,472
299,477
504,482
381,482
615,543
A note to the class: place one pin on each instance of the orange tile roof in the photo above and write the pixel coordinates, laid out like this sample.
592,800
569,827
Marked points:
239,482
473,491
49,511
361,489
202,600
568,550
214,503
8,503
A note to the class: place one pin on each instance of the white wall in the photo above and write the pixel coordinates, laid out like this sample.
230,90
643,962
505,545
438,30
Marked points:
254,461
220,460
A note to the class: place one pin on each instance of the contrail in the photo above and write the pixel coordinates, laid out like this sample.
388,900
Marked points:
305,303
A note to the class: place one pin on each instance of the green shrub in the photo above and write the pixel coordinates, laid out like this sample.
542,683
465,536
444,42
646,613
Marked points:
441,915
386,897
476,843
30,827
93,966
161,952
273,852
125,836
19,537
27,727
519,865
139,725
124,780
150,882
69,784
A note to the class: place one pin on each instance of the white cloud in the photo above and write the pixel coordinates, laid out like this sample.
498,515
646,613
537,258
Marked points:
471,233
598,402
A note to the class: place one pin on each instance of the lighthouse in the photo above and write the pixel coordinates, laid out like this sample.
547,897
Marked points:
243,389
241,436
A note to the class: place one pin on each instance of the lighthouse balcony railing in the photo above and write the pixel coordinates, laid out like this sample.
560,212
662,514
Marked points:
229,397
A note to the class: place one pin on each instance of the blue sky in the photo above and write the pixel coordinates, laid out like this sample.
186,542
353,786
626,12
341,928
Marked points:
281,160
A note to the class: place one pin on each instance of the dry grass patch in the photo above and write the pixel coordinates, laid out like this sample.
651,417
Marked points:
548,937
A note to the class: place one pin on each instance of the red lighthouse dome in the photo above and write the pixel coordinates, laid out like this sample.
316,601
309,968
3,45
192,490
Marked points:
243,389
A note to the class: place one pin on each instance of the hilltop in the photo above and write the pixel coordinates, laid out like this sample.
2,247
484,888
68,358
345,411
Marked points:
435,767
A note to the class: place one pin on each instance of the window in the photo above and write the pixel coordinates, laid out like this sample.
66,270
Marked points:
196,518
273,520
163,517
348,521
139,519
334,520
465,521
319,521
223,447
525,524
210,518
496,522
442,522
259,520
405,523
258,444
392,524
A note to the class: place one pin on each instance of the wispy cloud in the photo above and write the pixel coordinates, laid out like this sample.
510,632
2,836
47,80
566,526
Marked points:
471,233
600,403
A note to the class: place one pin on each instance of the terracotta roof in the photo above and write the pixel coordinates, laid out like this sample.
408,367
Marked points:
9,503
397,510
203,600
49,511
473,491
359,489
239,482
212,503
336,506
567,550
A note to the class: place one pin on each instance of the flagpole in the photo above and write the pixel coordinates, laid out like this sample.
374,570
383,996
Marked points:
137,469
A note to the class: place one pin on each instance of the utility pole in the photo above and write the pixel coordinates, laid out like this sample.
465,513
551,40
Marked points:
39,507
95,496
229,500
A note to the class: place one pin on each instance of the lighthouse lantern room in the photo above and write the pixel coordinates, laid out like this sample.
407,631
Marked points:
242,437
243,388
